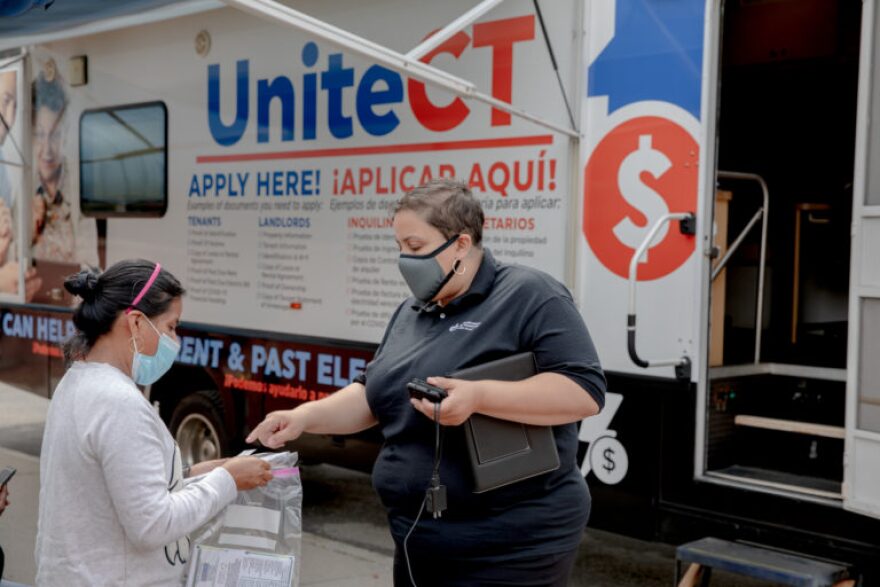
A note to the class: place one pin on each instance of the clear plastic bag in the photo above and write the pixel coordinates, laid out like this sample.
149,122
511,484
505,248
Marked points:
256,540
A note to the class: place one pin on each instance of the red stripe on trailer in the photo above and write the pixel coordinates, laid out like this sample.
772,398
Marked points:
527,141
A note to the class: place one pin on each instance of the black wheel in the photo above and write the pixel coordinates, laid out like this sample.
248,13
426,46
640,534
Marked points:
197,426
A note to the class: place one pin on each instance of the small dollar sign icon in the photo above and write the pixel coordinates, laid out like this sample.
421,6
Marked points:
609,459
640,196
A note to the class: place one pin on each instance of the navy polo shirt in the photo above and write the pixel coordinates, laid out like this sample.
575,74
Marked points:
508,309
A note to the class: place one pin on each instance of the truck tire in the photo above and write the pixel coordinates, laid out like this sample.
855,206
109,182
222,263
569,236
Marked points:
197,426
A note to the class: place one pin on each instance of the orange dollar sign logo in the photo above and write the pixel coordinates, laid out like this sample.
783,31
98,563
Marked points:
644,168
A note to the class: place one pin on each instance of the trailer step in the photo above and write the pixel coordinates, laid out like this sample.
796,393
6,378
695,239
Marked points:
757,562
782,369
779,481
793,426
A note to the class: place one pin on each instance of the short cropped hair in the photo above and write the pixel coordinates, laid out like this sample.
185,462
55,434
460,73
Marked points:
448,205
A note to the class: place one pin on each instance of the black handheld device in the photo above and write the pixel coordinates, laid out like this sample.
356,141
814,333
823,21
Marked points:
5,475
421,389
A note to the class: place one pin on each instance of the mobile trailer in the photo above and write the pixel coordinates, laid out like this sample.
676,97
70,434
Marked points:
255,150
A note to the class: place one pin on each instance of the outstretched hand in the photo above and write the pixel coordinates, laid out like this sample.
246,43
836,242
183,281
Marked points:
278,428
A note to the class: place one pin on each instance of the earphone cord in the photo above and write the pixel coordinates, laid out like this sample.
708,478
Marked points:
438,447
435,482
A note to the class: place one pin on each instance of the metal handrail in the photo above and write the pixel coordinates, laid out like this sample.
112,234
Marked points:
736,243
762,213
682,364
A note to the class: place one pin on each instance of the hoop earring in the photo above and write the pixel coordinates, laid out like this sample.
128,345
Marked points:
458,264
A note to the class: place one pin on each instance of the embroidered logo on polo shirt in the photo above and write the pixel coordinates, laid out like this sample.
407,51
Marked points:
464,326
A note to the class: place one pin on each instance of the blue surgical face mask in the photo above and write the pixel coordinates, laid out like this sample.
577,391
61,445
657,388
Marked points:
147,369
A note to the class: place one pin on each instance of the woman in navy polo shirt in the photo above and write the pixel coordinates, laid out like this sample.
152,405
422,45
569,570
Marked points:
467,309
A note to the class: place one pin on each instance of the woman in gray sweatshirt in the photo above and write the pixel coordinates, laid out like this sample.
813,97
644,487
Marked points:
113,507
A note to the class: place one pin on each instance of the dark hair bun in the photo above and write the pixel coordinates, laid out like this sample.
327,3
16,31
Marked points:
84,284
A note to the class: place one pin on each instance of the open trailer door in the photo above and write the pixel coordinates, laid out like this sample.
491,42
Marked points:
862,459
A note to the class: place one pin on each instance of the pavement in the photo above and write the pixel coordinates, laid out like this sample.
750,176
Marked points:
331,562
345,534
18,525
22,415
325,561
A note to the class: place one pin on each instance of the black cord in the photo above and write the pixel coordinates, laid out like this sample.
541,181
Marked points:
435,484
438,447
406,539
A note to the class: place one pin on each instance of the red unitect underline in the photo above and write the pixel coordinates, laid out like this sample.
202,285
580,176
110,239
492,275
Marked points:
382,149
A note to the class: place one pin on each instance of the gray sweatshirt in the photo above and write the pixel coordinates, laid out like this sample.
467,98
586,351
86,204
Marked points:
113,508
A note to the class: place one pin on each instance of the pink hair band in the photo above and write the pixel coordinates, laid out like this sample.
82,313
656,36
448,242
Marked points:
147,287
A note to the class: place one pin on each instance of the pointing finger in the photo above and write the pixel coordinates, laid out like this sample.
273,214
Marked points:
264,428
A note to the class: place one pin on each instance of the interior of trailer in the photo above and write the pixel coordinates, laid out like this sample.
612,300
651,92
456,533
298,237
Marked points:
786,135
